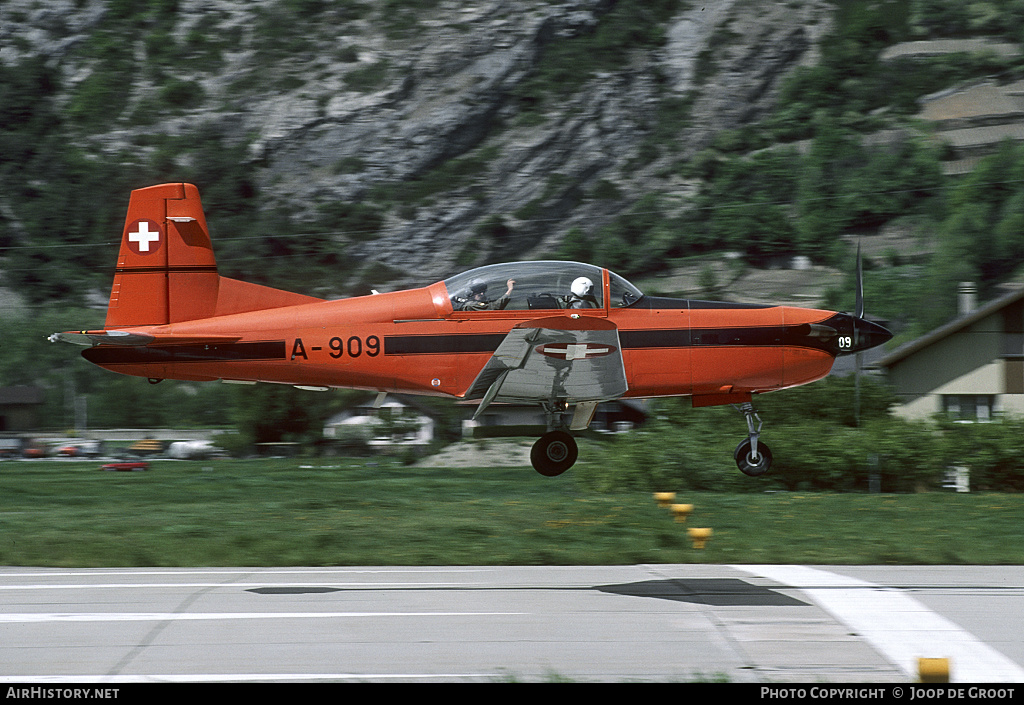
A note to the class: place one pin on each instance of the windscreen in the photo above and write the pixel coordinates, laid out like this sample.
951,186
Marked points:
527,285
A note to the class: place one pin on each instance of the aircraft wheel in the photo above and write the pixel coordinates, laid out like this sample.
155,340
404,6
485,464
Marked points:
747,465
554,453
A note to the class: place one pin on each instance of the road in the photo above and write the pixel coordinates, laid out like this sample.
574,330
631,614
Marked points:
678,623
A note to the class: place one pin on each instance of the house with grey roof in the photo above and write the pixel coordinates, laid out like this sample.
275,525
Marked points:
970,369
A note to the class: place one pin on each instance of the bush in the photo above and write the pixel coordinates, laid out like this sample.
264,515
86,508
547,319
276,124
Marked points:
182,95
237,445
818,455
660,457
809,455
817,445
993,452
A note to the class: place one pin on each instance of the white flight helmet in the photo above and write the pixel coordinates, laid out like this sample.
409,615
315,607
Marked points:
581,286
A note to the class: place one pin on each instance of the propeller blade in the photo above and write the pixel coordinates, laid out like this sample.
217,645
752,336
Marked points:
859,313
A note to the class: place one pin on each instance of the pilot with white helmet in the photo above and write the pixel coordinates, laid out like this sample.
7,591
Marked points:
582,294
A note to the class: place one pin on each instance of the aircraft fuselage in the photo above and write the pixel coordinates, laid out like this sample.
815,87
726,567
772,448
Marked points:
413,342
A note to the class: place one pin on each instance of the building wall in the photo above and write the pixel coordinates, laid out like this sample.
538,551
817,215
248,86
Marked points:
1011,404
966,363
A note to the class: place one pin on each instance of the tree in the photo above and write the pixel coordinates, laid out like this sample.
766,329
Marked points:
272,413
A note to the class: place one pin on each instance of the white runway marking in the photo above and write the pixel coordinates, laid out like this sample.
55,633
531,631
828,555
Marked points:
895,624
255,572
132,572
240,586
33,617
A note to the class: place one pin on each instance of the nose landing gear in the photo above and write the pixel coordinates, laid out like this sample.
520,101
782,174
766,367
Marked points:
752,458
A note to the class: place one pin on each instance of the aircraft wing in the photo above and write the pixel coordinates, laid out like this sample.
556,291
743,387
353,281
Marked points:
575,360
123,337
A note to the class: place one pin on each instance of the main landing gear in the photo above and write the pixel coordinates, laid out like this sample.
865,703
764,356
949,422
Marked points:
752,458
554,453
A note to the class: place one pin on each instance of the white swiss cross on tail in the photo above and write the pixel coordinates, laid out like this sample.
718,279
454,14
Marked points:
144,236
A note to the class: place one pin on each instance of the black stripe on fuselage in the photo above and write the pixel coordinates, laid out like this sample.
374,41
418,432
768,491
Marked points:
167,354
752,336
441,344
670,338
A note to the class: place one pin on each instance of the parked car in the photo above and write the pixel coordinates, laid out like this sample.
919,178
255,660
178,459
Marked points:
126,465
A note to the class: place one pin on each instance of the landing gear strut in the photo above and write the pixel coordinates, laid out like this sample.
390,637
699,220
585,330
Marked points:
752,458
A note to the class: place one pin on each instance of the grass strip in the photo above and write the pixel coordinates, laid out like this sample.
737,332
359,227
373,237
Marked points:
288,512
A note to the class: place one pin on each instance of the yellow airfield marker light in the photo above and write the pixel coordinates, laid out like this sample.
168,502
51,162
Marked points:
682,511
664,498
933,670
699,536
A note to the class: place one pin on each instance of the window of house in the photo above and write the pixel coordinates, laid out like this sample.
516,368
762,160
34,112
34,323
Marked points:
968,407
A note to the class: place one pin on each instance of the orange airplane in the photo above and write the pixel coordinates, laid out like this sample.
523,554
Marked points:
563,335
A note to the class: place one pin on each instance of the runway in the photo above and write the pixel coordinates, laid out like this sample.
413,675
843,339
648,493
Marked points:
664,623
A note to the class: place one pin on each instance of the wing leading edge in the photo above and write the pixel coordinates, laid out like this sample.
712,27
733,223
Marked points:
556,359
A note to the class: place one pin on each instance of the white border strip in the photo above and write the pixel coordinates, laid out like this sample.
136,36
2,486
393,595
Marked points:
898,626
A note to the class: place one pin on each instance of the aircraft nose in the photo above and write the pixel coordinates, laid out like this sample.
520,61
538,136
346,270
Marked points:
842,334
868,335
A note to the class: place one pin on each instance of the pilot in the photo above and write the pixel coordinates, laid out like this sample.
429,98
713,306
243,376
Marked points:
476,298
581,294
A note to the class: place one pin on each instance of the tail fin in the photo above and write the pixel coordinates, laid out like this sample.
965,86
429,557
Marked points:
166,270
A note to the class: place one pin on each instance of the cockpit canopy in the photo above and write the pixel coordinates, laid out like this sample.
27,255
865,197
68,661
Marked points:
538,285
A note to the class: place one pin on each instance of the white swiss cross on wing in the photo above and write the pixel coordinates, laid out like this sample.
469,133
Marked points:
144,236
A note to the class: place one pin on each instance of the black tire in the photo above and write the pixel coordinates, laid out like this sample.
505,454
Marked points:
554,453
747,465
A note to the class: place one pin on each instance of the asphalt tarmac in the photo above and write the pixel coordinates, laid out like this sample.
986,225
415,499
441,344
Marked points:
665,623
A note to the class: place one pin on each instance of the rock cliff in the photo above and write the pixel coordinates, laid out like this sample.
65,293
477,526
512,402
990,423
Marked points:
431,115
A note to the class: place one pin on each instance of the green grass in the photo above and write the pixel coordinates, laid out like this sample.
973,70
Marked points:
357,512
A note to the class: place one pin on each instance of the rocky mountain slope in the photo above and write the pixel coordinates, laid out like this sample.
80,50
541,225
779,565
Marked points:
420,137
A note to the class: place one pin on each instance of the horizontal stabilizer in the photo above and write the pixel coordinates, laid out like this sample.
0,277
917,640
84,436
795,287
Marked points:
123,337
